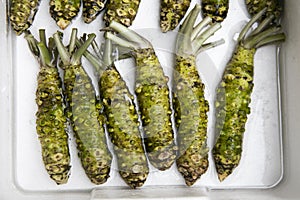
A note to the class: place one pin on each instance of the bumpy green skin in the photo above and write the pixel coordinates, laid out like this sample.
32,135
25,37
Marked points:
171,13
22,14
254,6
122,11
63,11
216,9
232,107
123,128
51,124
191,119
83,111
91,9
154,104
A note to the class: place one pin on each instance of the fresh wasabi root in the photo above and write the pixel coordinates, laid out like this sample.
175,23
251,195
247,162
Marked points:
273,7
171,13
22,13
123,128
153,98
216,9
91,9
190,105
234,93
122,120
121,11
64,11
83,111
191,120
50,119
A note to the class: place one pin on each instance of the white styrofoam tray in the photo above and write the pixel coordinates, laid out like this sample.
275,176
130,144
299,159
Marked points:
261,165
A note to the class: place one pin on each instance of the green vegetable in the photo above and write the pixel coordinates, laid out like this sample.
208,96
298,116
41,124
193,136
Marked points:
63,11
83,111
122,11
22,13
50,119
190,104
274,7
216,9
234,93
171,13
153,98
122,121
91,9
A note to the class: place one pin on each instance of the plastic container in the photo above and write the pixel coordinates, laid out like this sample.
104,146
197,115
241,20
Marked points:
23,173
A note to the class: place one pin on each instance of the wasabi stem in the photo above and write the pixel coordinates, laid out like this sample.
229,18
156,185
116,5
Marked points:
91,9
50,119
83,110
216,9
122,120
22,13
274,7
234,94
153,98
121,11
64,11
171,13
189,103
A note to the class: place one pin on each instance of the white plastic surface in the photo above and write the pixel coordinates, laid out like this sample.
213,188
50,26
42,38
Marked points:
291,94
260,165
